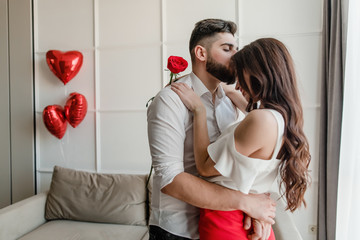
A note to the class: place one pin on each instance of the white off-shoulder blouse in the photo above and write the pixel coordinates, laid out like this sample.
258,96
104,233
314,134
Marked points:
242,173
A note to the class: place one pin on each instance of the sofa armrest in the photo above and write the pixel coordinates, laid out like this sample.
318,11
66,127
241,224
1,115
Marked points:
22,217
284,227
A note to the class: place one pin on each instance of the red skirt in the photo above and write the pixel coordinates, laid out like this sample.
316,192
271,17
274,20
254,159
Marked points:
218,225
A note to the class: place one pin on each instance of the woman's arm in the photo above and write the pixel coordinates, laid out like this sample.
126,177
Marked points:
235,96
204,164
220,198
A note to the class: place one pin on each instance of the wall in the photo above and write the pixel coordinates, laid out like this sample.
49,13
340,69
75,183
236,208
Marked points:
5,177
17,154
299,25
125,46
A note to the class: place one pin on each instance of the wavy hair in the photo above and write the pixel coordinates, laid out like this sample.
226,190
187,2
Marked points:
273,82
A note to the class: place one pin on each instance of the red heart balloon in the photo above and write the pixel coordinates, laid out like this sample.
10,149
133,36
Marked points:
54,120
75,109
65,65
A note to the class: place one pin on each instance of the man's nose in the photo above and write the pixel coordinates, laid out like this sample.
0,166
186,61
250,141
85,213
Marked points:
237,86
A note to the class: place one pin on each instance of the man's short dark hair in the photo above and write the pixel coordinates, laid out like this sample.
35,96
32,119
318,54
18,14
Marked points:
206,29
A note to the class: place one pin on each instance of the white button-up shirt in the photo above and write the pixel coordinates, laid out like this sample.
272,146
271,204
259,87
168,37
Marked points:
170,132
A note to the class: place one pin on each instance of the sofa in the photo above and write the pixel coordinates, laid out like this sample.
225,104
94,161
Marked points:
81,205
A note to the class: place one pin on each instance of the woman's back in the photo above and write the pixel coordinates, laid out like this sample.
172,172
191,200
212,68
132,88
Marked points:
249,168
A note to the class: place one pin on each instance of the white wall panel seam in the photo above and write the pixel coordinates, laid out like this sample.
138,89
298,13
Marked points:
163,40
144,110
36,91
9,105
97,88
5,147
110,110
284,35
50,171
88,50
237,21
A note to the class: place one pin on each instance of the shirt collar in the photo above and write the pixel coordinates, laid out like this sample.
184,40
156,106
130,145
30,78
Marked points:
220,92
198,85
200,89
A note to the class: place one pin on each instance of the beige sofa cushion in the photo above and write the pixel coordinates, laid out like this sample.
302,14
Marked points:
73,230
94,197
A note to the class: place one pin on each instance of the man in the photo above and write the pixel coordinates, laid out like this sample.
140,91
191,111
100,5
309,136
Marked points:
177,189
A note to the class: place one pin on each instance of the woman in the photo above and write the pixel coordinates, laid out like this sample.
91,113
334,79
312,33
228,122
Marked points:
270,140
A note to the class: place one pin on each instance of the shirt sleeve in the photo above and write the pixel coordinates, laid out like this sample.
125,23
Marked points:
231,164
166,133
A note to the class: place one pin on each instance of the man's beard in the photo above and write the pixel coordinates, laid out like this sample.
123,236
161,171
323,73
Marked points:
220,71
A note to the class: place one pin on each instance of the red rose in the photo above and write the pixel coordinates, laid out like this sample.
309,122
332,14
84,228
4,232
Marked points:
176,64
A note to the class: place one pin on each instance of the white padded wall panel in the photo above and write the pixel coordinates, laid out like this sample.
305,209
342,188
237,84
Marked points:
181,16
129,22
129,77
64,25
307,216
75,150
262,17
124,145
306,51
44,181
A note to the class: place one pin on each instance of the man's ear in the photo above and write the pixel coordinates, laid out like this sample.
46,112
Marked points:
200,53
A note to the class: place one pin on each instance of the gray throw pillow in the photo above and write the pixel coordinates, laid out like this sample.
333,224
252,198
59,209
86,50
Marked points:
94,197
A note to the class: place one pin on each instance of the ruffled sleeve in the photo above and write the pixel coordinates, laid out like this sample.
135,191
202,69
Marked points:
240,172
231,164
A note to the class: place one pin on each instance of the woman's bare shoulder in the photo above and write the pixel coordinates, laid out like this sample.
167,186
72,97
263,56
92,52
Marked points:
261,114
257,130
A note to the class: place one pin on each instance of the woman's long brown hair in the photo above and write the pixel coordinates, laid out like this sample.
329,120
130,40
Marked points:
273,82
